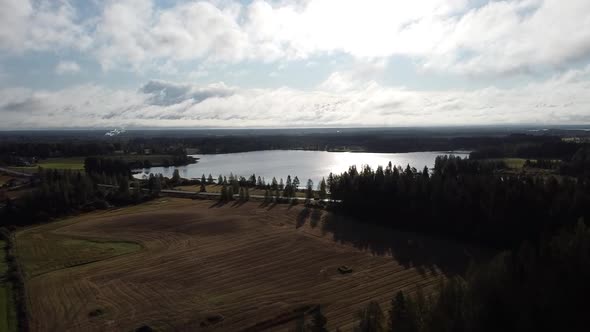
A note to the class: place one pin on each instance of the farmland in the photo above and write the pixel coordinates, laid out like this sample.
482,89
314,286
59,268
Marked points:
7,305
177,264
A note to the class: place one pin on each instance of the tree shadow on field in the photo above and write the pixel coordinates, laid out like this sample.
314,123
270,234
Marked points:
302,217
271,206
315,217
425,253
238,203
218,204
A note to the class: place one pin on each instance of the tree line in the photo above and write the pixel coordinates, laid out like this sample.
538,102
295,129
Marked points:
540,287
464,199
61,192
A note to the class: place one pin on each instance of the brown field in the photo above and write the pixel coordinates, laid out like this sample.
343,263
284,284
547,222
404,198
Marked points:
247,263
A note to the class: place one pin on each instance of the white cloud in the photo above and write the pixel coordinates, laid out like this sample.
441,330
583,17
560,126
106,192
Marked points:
560,100
39,26
444,35
499,37
134,32
67,67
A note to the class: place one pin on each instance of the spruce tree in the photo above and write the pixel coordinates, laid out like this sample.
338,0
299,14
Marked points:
318,322
309,190
175,176
223,195
323,194
370,318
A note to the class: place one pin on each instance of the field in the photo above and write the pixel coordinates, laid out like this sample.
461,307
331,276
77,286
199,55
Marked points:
73,163
77,163
7,306
4,179
184,265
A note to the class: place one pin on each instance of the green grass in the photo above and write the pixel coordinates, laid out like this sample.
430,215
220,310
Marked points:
73,163
155,159
41,250
514,163
8,321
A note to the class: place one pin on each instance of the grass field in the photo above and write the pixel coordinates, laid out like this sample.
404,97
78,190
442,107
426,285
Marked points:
4,179
8,321
245,263
77,163
73,163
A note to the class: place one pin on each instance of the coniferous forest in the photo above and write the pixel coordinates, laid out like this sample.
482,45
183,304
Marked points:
464,199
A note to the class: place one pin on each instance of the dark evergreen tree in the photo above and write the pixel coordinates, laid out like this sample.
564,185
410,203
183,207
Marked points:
318,321
370,318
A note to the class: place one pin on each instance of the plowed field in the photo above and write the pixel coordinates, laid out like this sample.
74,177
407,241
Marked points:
183,265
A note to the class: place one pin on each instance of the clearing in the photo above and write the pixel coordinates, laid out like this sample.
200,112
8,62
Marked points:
186,265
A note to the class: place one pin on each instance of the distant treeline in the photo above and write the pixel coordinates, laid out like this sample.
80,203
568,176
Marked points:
521,145
463,199
371,142
545,148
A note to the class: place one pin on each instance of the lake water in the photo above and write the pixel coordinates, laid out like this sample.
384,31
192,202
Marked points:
305,164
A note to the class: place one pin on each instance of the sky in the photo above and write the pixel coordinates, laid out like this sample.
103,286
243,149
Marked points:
293,63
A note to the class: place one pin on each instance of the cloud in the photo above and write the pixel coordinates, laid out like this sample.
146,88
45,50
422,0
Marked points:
168,93
561,99
67,67
134,32
459,36
40,26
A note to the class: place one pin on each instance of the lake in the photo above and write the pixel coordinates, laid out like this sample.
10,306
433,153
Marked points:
305,164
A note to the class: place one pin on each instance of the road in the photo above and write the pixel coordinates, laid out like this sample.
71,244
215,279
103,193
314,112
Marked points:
205,195
15,173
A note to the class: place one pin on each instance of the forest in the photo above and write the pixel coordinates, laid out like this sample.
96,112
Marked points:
464,199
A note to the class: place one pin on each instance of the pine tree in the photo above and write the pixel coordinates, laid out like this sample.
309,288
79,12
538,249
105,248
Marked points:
259,182
323,194
370,318
318,322
203,179
230,193
399,314
309,190
288,187
210,179
296,184
220,180
223,195
175,176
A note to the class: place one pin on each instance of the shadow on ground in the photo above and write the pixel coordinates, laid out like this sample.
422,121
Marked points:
409,249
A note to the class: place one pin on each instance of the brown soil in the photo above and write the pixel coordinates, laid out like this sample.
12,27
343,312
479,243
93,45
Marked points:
245,263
